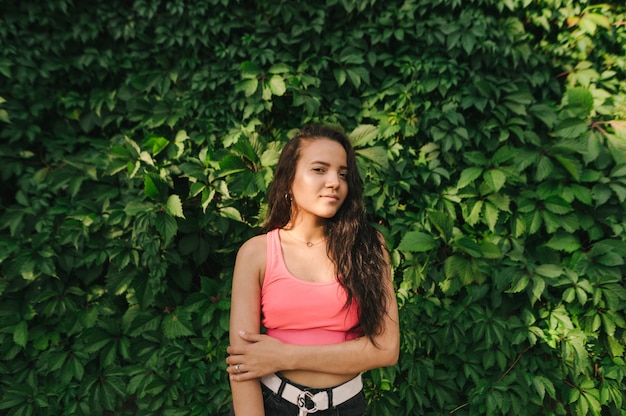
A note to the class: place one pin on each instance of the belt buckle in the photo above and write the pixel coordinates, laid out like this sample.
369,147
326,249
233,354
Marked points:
302,403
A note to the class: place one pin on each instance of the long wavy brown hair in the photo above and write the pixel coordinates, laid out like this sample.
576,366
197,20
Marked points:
355,247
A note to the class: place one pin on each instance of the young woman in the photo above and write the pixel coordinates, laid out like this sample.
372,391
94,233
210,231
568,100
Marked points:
319,282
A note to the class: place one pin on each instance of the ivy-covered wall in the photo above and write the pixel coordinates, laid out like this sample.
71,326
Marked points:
138,139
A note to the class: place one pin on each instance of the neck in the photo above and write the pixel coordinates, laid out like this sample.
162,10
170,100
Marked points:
306,234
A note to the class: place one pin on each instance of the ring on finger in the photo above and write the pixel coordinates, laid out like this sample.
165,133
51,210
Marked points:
237,369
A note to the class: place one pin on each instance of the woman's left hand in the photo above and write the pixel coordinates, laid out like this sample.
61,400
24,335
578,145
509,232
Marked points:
260,357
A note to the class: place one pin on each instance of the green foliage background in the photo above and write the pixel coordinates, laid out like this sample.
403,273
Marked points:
138,139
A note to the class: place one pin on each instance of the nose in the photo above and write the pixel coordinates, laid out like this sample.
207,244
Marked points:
333,180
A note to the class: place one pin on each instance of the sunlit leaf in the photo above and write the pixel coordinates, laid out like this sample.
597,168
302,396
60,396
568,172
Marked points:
571,128
174,206
469,175
376,154
580,97
417,241
564,242
495,179
277,85
364,135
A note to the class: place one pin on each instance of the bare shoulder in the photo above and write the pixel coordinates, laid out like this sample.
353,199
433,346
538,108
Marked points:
252,255
254,246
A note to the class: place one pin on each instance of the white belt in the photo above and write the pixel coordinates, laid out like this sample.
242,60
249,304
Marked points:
294,395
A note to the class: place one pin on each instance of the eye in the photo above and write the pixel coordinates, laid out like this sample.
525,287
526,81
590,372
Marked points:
319,170
343,175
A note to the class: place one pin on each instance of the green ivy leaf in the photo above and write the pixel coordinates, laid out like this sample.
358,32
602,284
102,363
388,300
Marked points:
582,193
564,242
247,86
549,270
279,68
363,135
542,385
580,97
573,166
610,259
443,223
616,347
544,168
157,144
495,179
340,76
196,188
501,201
537,289
474,214
174,206
207,198
230,212
417,241
545,113
231,164
176,325
277,85
519,283
571,128
557,205
376,154
491,215
490,250
250,70
144,322
136,207
354,77
149,187
619,190
166,226
20,334
468,176
96,339
468,246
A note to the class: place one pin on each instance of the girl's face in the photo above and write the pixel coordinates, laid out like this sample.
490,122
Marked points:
319,186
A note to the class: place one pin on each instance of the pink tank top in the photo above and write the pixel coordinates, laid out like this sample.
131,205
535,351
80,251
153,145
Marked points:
300,312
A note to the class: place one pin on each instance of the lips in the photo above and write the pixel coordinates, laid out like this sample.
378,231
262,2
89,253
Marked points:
333,197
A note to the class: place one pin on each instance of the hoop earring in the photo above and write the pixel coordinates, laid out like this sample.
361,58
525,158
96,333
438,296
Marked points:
288,198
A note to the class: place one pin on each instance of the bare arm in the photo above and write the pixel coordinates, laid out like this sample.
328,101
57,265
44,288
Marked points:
264,355
245,314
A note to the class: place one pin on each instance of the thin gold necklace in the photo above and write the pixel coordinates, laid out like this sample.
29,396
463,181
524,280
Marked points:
308,243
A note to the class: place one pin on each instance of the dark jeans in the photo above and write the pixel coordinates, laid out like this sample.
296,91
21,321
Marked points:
277,406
